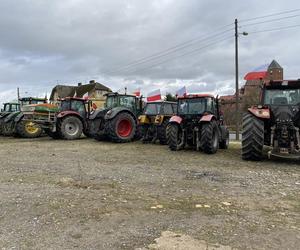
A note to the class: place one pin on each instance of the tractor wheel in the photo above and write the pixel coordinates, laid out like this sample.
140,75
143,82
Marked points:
173,137
70,128
54,135
27,129
121,128
209,141
8,128
252,138
99,137
161,132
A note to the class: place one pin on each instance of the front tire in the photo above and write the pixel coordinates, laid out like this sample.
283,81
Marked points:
252,138
121,128
161,132
173,137
70,128
209,141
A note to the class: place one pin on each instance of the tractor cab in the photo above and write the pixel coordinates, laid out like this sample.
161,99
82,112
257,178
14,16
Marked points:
31,100
10,107
196,105
131,102
75,104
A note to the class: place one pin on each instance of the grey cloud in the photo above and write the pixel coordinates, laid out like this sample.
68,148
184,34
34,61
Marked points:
45,42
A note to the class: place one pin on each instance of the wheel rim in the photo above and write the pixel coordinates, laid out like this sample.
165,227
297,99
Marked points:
31,128
124,128
72,128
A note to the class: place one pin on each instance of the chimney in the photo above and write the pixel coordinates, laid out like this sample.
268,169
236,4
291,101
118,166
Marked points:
79,84
92,81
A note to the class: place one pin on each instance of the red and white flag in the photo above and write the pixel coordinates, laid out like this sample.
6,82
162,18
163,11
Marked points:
181,92
154,96
137,92
258,73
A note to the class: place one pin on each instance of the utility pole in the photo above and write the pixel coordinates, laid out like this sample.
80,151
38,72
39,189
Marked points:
18,94
237,110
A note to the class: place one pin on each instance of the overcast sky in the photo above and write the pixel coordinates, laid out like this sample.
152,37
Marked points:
44,43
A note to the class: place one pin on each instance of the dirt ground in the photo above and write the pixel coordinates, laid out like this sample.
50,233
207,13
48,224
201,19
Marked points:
98,195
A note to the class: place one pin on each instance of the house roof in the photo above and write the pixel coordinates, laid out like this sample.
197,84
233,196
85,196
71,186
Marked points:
66,90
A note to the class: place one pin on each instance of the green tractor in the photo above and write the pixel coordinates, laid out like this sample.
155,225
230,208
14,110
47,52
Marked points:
8,108
118,120
12,123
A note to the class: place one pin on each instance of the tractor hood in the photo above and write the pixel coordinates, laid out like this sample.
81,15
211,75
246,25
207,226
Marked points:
40,108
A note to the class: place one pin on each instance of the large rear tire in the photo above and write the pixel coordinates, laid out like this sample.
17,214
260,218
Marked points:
252,138
28,129
209,141
70,128
161,132
173,137
121,128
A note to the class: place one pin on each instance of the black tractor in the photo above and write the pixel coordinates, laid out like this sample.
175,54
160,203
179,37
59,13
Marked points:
275,122
154,120
199,124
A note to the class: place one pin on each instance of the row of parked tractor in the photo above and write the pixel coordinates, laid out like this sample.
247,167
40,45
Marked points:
194,120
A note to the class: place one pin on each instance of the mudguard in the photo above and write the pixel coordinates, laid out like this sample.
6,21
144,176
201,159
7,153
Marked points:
207,118
260,112
110,114
98,113
69,112
176,119
19,117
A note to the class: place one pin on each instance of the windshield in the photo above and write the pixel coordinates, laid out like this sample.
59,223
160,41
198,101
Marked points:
152,109
282,96
194,106
125,101
64,105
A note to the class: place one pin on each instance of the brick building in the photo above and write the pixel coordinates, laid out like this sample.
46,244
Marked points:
249,93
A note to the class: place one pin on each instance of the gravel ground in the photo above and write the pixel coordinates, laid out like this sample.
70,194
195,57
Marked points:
86,194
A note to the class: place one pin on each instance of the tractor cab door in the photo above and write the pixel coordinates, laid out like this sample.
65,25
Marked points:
79,107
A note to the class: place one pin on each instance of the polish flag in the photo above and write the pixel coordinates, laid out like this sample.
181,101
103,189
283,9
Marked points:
258,73
154,96
181,92
137,92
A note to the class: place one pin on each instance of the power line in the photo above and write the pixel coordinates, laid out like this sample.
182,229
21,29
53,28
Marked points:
270,15
275,29
271,20
154,58
176,47
185,54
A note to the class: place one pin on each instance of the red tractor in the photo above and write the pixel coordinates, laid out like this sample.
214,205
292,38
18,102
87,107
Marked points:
198,123
275,122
